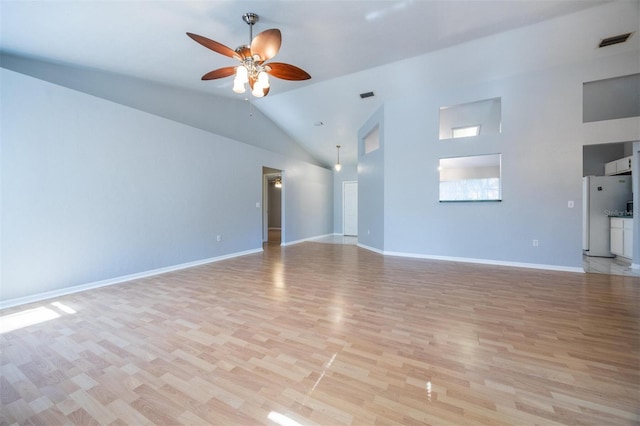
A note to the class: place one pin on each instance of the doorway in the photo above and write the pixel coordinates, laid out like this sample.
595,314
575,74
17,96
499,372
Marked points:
597,163
272,202
350,208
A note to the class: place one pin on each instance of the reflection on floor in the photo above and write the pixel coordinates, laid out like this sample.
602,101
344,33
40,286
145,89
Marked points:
593,265
274,236
328,334
609,265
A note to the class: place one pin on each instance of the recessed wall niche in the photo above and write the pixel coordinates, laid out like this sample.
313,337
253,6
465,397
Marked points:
372,140
471,178
611,98
471,119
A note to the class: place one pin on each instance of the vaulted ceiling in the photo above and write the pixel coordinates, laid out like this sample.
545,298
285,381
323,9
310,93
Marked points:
344,45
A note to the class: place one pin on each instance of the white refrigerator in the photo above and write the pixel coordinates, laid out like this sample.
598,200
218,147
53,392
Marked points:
602,197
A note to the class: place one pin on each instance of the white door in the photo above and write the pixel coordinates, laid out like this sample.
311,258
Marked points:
350,208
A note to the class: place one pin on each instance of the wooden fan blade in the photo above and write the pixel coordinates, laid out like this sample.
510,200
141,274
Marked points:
215,46
286,71
266,44
244,51
219,73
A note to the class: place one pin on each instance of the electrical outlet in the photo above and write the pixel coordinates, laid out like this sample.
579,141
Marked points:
570,204
535,243
219,238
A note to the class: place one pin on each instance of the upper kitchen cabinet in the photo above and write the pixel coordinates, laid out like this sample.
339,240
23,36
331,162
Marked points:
618,167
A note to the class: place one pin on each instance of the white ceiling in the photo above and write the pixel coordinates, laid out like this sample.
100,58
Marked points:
340,43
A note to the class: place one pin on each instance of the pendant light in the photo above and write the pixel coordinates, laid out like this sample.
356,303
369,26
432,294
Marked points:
338,166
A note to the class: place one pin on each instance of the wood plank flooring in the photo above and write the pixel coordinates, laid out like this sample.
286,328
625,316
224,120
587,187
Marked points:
322,334
274,237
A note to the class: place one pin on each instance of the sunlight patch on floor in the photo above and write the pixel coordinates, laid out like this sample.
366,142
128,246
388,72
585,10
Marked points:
30,317
281,419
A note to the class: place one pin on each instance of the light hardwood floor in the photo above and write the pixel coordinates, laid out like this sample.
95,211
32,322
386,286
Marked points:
274,237
330,335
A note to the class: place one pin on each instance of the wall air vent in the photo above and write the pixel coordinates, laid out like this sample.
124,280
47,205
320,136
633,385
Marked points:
366,95
614,40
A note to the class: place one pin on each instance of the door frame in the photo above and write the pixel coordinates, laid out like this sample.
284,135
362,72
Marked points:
265,205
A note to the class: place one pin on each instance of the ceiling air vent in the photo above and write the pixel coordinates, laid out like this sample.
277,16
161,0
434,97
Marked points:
366,95
614,40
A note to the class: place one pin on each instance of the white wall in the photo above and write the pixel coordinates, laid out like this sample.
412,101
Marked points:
93,190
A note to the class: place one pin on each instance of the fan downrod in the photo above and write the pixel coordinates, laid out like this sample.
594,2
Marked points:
250,18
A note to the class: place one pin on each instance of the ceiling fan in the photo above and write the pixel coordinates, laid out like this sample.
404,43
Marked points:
253,68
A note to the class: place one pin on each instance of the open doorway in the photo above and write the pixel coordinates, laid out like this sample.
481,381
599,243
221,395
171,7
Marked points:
607,208
272,201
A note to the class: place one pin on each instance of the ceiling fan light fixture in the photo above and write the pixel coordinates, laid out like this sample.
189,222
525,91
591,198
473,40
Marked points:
238,86
241,78
263,79
257,91
252,58
242,74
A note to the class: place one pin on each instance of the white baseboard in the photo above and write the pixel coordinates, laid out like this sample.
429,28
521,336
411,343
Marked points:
480,261
317,237
371,248
117,280
83,287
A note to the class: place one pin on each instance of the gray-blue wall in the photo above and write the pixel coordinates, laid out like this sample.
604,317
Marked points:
542,160
233,118
93,190
372,204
